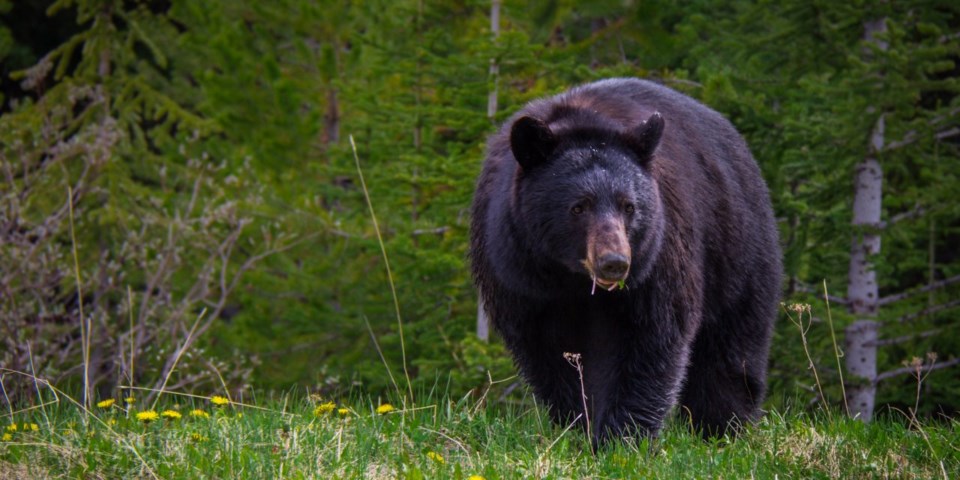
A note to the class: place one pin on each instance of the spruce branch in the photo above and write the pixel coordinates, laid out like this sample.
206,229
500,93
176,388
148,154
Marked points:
915,369
915,212
803,287
929,311
906,338
929,288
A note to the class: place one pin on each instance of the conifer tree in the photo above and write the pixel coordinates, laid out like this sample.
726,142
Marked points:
114,230
840,104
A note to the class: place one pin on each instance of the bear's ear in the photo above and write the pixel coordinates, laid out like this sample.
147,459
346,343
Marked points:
531,141
644,138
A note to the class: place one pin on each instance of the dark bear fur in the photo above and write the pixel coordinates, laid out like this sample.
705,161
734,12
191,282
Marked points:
628,223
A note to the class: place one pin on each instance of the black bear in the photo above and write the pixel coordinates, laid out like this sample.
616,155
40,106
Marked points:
628,223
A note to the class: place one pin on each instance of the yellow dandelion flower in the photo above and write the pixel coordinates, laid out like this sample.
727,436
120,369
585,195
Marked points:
199,413
129,400
475,477
34,427
106,403
7,437
343,412
147,416
196,437
385,408
12,427
171,414
219,401
324,408
436,457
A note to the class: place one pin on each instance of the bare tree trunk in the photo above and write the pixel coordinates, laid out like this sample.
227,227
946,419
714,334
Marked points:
862,291
494,67
418,88
331,120
483,322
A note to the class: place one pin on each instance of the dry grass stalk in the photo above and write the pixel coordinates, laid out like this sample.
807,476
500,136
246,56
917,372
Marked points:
800,309
574,360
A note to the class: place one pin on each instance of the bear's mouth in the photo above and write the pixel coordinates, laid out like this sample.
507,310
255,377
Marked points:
608,284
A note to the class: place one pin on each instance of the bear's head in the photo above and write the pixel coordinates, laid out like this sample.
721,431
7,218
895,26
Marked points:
586,197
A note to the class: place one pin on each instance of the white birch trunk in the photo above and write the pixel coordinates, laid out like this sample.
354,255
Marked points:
494,68
483,322
862,291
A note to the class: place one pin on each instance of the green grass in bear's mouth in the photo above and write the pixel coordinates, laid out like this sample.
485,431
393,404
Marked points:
595,280
618,285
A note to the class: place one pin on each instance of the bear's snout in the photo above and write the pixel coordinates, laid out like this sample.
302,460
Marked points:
608,251
613,266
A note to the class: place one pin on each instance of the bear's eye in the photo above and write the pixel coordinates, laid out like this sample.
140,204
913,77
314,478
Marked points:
629,209
577,209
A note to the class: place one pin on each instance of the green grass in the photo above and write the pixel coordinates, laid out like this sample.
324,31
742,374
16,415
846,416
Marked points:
284,438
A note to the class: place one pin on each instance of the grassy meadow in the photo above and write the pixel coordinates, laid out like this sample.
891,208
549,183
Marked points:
173,435
306,437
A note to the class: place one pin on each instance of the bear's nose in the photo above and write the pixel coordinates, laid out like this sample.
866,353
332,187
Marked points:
613,266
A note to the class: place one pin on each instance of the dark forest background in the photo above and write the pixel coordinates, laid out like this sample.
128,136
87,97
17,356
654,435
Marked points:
178,192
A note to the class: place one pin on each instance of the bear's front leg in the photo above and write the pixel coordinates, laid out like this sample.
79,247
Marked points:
556,383
542,365
645,387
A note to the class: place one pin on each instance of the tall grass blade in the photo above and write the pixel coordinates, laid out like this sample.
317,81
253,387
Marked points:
132,335
84,325
176,358
386,262
383,359
836,350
